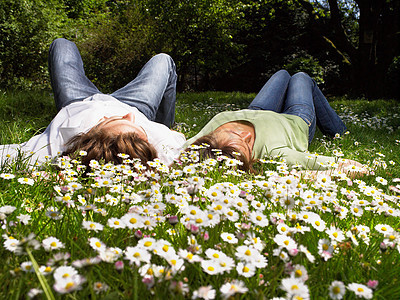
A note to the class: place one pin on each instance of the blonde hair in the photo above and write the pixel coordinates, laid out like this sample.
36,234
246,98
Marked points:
100,144
227,150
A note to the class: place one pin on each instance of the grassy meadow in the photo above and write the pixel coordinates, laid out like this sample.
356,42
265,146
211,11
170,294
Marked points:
203,230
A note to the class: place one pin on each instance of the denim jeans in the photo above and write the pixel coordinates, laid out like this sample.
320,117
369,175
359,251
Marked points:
152,92
299,95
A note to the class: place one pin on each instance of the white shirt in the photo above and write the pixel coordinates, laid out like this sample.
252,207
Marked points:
80,117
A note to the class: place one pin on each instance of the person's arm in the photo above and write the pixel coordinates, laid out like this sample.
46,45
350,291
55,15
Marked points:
351,168
320,164
306,160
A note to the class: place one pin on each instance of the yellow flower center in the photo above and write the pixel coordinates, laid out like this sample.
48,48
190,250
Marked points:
69,285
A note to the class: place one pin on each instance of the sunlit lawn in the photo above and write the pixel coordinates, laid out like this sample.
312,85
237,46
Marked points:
203,230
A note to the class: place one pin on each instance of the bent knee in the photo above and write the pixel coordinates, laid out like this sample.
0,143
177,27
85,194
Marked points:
163,56
61,43
164,59
283,72
301,74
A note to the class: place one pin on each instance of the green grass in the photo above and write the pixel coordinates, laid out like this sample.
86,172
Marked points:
373,139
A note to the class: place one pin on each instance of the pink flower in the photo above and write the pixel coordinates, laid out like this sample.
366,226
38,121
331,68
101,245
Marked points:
206,236
173,220
148,280
194,229
293,252
372,284
119,265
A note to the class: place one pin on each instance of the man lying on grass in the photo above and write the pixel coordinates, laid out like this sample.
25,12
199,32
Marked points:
133,120
280,121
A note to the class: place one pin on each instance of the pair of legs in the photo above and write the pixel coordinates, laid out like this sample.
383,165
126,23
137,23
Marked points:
152,92
299,95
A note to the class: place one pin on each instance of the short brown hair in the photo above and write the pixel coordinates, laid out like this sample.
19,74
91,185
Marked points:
100,144
214,144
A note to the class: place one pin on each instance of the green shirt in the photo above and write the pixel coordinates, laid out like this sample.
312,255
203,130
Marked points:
276,135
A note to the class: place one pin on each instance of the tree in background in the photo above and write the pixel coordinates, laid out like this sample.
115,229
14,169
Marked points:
26,30
346,45
199,34
365,34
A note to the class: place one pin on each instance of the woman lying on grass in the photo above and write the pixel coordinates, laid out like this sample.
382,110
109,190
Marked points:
133,120
280,121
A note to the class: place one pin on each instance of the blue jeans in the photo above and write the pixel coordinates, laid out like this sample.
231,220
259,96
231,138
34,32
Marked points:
152,92
299,95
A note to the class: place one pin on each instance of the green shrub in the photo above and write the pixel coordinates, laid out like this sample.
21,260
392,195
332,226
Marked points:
27,29
308,64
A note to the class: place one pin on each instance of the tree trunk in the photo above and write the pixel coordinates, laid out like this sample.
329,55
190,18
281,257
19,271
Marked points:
378,42
378,45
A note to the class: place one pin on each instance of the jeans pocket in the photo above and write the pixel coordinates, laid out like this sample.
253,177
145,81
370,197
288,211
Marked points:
306,119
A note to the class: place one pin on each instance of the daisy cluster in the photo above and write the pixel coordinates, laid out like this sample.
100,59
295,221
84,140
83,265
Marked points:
199,229
389,122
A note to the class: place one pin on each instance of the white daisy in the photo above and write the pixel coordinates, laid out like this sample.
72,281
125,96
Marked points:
361,290
52,243
229,289
337,290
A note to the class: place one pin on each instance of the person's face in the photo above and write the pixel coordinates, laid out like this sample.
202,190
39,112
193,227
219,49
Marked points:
238,136
124,124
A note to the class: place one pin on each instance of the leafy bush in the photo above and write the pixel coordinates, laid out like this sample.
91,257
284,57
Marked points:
308,64
27,29
117,47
